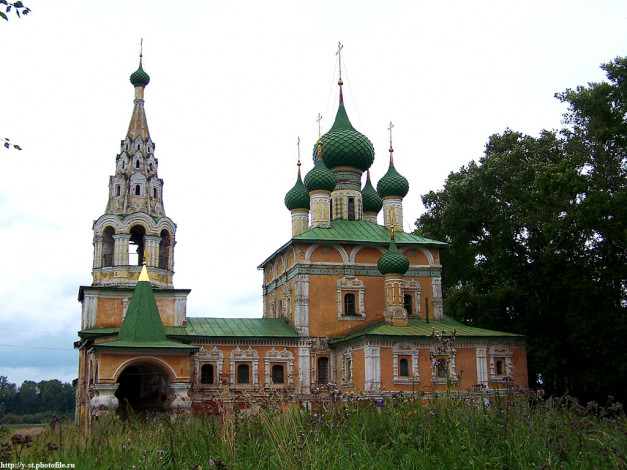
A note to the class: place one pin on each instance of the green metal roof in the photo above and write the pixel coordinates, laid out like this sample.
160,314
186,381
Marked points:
418,328
393,261
361,231
142,327
233,328
248,328
344,146
356,232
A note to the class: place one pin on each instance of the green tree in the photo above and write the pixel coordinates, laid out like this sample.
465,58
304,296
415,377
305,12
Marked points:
537,242
17,7
27,399
7,395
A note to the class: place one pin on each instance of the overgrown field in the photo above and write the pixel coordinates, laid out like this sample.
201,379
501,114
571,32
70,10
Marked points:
347,432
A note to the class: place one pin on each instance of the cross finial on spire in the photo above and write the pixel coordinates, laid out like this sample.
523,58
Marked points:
340,46
319,121
391,148
298,146
141,50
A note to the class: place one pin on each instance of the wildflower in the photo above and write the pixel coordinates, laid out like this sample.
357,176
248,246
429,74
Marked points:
379,403
123,448
160,452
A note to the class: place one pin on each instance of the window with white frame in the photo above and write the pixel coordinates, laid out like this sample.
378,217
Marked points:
208,367
279,369
501,364
350,299
406,363
443,368
411,290
244,366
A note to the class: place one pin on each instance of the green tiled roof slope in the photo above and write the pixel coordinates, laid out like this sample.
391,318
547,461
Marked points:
234,328
216,327
361,231
420,328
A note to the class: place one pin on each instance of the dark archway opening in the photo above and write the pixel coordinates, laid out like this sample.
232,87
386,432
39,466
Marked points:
143,390
108,247
164,250
136,257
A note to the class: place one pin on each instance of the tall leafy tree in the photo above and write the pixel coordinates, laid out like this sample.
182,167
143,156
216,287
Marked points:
537,241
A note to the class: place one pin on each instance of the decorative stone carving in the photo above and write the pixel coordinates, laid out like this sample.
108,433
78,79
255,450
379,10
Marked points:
213,357
104,398
284,358
350,284
178,401
410,352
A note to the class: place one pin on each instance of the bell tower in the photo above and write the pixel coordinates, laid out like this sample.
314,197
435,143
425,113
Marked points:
134,227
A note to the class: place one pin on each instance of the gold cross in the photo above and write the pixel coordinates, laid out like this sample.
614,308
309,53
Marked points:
390,129
319,119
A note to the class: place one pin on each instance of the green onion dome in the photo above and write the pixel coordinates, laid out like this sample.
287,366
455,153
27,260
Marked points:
344,146
139,77
320,178
393,261
371,200
298,196
393,184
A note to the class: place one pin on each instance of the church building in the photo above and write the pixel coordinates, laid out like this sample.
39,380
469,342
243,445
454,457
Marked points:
347,302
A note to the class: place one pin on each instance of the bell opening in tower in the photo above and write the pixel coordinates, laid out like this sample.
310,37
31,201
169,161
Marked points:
136,246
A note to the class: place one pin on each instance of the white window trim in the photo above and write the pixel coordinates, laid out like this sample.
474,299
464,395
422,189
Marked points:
247,356
284,358
413,287
450,360
214,357
350,284
406,349
500,351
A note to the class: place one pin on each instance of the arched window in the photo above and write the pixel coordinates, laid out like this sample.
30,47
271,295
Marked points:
408,303
351,208
441,367
154,192
349,304
118,190
403,365
500,370
323,370
137,163
206,374
243,374
164,250
278,374
138,190
108,244
138,234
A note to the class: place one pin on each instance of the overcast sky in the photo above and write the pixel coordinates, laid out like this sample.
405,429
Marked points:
233,85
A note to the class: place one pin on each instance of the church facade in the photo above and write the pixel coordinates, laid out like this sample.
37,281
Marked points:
347,302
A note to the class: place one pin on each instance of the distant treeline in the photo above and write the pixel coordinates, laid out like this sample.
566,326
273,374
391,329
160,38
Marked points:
37,400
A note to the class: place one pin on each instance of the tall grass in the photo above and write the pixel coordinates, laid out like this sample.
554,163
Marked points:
353,432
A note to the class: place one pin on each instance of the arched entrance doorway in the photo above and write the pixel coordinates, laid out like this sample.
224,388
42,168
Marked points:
144,388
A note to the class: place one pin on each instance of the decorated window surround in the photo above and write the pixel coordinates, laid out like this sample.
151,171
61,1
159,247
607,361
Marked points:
501,352
413,288
351,285
284,358
247,356
450,360
412,353
214,357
